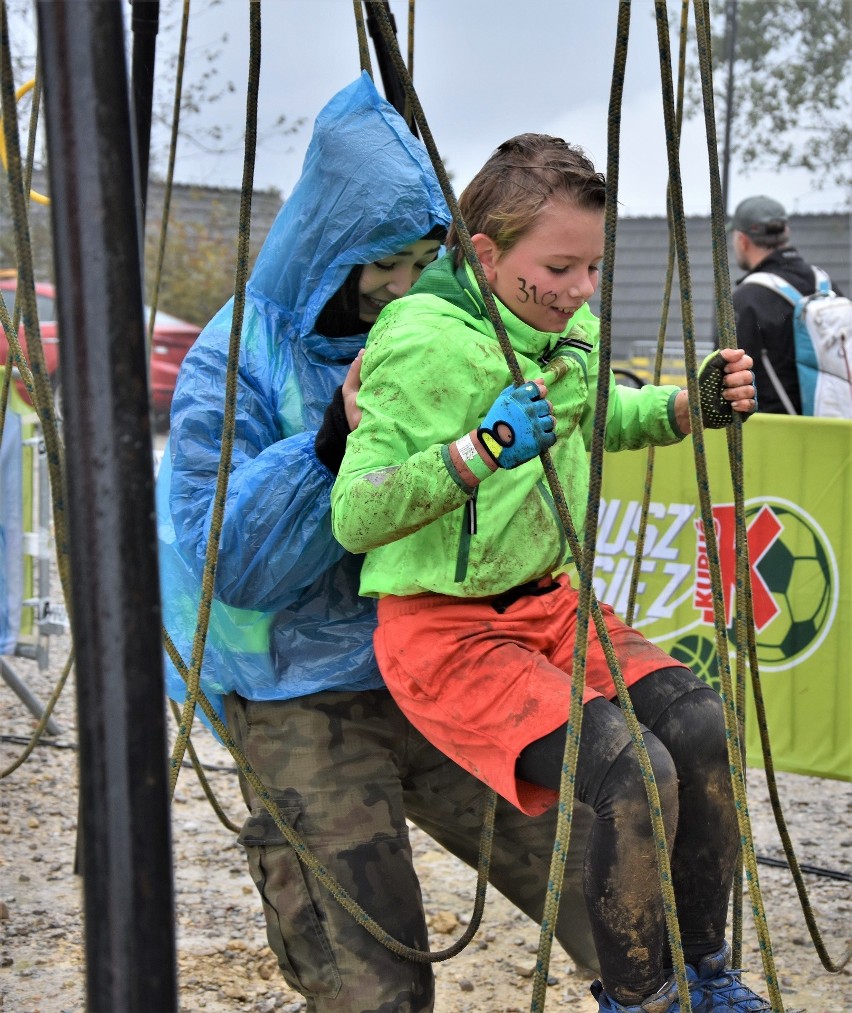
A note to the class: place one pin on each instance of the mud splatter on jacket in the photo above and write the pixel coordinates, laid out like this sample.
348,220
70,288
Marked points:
287,619
432,369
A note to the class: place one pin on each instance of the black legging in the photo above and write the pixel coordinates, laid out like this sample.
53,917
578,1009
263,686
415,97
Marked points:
686,745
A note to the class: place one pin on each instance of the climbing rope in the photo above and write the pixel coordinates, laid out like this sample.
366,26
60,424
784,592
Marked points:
306,857
39,380
202,777
699,454
583,554
565,804
363,44
728,339
585,564
170,174
25,296
633,591
407,115
745,631
35,86
208,580
38,731
19,182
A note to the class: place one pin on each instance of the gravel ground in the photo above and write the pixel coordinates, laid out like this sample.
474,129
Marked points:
224,963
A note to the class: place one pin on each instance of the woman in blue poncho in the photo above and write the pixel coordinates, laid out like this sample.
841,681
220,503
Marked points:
289,659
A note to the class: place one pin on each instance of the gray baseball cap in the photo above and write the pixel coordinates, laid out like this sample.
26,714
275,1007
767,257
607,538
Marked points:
759,218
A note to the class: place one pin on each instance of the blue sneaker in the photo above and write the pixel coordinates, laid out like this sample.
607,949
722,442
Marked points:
663,1001
718,988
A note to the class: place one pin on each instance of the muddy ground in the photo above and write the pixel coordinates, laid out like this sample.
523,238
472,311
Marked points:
224,963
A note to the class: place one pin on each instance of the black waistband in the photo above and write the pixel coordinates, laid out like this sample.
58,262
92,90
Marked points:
532,588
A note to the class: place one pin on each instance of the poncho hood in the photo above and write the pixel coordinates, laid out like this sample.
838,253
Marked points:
367,190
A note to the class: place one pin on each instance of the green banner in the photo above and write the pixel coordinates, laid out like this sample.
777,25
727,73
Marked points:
798,496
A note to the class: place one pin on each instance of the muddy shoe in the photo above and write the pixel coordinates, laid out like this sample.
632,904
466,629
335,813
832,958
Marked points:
664,1001
719,988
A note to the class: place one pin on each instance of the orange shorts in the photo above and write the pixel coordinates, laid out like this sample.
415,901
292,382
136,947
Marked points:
481,684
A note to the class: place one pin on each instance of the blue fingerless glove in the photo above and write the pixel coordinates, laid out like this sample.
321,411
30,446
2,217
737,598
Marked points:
518,426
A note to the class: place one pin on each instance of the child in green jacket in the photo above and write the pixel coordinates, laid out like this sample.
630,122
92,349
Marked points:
442,487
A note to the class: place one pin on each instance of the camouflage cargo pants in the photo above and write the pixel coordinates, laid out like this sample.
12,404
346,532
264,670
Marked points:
346,770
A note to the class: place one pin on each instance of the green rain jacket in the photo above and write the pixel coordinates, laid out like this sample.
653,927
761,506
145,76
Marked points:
432,369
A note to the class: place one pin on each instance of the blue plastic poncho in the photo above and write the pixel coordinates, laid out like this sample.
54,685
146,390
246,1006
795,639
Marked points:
287,619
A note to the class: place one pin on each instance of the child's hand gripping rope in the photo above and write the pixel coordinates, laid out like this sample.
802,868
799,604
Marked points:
518,426
714,377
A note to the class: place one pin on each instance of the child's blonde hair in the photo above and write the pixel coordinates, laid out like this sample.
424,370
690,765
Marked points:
520,178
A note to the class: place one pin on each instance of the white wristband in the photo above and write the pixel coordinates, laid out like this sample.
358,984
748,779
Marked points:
472,458
467,451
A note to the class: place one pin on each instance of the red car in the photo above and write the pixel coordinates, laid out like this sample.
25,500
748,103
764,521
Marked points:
171,342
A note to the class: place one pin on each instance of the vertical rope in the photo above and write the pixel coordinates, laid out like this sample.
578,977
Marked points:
745,618
586,568
724,310
191,674
303,853
363,44
39,381
731,718
635,573
212,552
16,357
408,114
170,175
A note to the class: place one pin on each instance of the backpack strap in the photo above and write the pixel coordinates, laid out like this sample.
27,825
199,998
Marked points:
783,396
775,284
793,296
822,282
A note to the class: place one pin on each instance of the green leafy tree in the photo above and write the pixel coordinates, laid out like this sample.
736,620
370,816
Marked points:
792,94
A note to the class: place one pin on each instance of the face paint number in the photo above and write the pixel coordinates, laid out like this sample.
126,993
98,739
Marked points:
524,294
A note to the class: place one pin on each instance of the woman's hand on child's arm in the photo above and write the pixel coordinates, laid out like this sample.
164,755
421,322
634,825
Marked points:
351,386
341,418
517,428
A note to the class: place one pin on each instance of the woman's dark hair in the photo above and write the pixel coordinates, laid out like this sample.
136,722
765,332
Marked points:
339,317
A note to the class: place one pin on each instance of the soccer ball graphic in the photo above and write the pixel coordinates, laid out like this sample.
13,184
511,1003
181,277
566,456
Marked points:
699,653
798,574
793,591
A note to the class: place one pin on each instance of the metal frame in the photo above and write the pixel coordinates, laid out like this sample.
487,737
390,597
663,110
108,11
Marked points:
50,618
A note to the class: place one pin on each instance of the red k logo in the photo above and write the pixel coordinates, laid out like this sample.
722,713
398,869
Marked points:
761,533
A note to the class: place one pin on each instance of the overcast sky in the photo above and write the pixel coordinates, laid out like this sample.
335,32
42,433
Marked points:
484,70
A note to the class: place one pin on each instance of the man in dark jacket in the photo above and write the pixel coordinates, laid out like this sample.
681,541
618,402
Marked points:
761,242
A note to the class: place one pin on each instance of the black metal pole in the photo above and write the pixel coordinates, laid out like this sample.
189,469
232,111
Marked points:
394,89
124,808
145,23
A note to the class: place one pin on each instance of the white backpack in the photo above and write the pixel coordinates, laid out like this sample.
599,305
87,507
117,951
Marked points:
822,332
